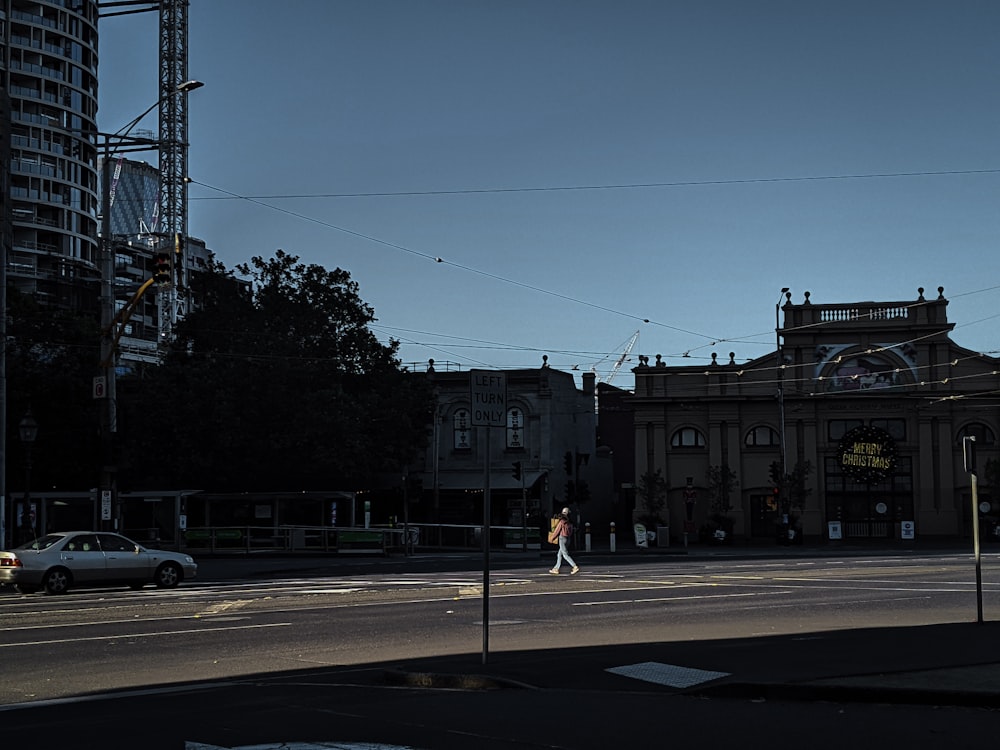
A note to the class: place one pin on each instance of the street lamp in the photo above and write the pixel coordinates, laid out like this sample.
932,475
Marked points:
779,355
28,431
182,88
114,143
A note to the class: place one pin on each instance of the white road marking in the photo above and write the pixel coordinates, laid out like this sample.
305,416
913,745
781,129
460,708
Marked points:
332,745
130,636
683,598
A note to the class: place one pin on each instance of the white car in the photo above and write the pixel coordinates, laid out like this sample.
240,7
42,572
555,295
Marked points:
60,561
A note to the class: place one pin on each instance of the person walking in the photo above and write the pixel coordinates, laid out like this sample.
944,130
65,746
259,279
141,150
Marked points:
563,529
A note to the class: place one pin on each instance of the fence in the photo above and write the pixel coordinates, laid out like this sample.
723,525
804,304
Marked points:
352,540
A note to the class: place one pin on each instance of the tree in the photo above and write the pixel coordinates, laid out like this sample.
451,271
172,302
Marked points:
652,493
52,358
722,483
792,495
278,384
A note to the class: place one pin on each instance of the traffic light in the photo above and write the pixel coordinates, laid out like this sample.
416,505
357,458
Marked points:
568,463
161,268
178,257
969,453
516,470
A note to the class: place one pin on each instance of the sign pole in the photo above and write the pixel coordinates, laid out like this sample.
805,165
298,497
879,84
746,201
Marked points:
975,547
486,549
488,395
969,459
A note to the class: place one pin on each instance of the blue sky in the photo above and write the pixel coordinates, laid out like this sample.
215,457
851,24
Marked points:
583,166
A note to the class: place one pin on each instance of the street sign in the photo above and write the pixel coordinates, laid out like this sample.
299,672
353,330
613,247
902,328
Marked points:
488,393
100,389
105,505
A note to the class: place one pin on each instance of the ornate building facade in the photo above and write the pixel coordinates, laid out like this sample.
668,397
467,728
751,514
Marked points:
549,433
853,428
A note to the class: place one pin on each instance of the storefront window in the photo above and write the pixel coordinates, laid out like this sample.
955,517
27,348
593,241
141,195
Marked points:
982,433
837,428
687,437
895,427
762,436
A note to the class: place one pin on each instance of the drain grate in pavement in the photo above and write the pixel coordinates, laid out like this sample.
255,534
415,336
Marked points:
667,674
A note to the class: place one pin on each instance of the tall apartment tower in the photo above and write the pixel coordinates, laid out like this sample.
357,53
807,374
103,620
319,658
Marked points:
48,93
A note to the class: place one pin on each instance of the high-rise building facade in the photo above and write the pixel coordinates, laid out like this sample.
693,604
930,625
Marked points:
50,211
136,239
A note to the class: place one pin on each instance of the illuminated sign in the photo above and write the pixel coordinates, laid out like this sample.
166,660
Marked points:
867,454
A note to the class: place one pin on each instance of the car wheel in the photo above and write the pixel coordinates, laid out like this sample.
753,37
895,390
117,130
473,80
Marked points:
24,589
56,581
168,575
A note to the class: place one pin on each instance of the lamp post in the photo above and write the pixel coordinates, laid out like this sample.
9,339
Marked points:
28,431
113,144
780,359
781,375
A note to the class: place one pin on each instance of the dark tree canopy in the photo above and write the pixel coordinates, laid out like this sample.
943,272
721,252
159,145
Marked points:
52,358
275,385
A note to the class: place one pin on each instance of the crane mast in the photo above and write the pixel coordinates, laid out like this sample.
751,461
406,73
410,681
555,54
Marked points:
172,145
173,156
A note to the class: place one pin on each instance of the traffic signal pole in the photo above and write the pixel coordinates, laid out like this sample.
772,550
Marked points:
969,459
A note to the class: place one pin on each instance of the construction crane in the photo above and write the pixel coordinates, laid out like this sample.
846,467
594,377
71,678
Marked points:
621,359
173,155
172,141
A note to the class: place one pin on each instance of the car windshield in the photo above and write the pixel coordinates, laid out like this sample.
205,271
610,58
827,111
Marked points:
43,542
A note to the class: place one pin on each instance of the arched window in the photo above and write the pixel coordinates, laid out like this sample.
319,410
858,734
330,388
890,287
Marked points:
460,429
687,437
981,432
515,429
762,436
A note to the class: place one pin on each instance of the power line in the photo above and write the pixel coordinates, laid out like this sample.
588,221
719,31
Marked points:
469,269
712,340
621,186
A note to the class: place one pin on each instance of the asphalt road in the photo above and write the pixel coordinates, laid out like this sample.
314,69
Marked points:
311,656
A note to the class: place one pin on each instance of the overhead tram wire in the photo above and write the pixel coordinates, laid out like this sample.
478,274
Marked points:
622,186
712,340
459,266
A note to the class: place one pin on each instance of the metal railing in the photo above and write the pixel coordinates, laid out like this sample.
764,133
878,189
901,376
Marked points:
341,539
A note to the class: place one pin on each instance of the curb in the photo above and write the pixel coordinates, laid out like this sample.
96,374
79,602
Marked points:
808,693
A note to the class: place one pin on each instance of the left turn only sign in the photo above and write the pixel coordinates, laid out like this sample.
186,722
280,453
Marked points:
488,393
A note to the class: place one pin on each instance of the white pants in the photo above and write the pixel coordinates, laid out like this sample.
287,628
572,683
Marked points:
563,554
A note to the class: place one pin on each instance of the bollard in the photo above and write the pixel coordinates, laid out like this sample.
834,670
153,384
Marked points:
586,536
612,536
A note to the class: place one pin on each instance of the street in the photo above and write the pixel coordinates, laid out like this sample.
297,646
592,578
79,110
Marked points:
343,632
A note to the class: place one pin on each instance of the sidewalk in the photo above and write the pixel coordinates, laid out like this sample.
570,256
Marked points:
953,665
